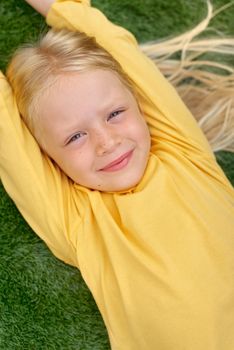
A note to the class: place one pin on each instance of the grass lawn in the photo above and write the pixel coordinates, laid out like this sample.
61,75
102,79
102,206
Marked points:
44,304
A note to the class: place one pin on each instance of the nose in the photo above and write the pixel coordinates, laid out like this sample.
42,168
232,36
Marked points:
106,141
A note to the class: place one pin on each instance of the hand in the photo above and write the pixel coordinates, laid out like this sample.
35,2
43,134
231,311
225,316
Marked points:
41,6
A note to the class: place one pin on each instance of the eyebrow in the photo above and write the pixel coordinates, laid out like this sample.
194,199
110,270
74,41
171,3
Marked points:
103,109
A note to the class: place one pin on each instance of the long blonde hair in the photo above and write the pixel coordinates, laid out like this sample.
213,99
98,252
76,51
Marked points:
206,86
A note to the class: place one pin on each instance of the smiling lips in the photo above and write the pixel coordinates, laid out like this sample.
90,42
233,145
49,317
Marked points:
119,163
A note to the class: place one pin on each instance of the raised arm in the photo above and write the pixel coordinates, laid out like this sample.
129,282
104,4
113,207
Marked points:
41,6
169,119
42,193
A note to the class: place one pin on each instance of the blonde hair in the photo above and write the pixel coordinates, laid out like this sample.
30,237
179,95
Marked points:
35,67
205,85
208,94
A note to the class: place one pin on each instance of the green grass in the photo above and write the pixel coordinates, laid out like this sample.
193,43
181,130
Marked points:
44,304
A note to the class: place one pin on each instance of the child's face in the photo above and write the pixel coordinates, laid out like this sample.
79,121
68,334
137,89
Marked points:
93,129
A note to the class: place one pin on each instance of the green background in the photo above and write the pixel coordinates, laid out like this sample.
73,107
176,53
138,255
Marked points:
44,304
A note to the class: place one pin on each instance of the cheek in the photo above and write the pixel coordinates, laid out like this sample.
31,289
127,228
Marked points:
74,162
78,170
80,159
140,130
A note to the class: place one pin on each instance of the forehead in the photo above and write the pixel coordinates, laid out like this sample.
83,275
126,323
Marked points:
81,96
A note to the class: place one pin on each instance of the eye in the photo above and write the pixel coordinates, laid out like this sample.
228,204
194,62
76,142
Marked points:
115,114
76,137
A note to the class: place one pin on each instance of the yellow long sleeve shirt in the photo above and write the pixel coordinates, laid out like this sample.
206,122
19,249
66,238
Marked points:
158,258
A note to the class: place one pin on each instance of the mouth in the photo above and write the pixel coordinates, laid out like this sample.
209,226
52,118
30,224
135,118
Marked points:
118,163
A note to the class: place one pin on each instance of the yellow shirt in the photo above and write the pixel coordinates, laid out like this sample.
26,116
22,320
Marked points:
159,258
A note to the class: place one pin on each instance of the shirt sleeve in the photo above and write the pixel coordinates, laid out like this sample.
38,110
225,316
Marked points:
41,192
168,118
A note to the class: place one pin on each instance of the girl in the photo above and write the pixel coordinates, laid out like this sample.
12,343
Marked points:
126,186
